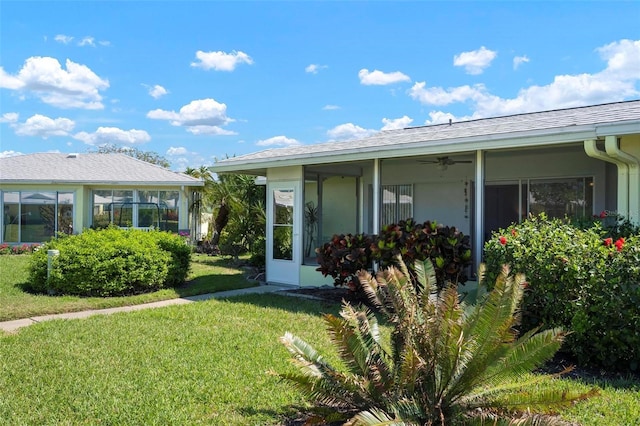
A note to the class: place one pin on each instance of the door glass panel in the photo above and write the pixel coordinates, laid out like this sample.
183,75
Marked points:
11,218
283,224
38,216
65,212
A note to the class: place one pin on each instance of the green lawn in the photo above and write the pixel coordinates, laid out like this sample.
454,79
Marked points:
208,275
201,363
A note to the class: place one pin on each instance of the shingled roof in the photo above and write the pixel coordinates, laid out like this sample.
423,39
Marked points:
90,168
558,126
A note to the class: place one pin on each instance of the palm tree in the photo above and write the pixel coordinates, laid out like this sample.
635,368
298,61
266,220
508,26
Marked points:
444,363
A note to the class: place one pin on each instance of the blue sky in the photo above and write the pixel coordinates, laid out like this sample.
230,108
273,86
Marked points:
199,81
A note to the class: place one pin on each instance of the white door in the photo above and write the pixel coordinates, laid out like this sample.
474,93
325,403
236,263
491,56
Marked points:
283,253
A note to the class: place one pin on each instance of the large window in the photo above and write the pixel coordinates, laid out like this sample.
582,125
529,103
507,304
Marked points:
512,202
36,216
140,209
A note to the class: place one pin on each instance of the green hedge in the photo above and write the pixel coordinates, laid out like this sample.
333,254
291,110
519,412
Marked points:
111,262
580,279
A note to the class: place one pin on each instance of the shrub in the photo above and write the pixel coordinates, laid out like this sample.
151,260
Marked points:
18,249
581,280
444,362
110,262
343,256
448,249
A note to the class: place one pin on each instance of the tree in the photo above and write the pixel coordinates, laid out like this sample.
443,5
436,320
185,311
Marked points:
238,206
148,156
443,363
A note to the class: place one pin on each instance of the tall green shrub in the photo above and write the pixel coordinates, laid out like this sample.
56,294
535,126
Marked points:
581,280
110,262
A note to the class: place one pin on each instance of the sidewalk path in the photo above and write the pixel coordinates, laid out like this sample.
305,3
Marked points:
11,326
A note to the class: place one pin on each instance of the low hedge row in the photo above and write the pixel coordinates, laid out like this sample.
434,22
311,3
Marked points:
110,262
583,280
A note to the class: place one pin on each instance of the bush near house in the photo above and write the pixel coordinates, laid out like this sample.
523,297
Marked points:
448,249
110,262
583,280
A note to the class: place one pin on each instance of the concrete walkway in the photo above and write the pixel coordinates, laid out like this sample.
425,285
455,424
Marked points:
12,326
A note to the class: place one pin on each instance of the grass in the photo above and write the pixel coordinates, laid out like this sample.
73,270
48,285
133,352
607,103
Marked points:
208,275
201,363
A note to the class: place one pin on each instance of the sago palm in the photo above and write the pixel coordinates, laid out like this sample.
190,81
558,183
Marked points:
443,363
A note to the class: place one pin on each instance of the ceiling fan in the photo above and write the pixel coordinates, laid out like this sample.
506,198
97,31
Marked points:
444,162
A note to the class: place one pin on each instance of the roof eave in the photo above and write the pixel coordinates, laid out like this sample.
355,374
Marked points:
473,143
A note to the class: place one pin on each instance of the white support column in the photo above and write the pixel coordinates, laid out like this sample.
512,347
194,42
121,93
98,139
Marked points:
478,227
376,196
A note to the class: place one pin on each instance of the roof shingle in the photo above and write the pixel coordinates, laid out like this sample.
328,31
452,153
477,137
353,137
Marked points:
90,168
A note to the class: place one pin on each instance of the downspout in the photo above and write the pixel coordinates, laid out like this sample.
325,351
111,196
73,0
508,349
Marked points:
591,148
633,166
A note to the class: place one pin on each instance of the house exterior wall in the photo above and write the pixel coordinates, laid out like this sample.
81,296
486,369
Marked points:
83,200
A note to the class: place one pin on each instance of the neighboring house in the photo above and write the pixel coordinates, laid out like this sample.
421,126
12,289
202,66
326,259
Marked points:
43,194
476,175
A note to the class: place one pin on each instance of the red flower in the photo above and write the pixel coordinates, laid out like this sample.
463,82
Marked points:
503,240
513,232
603,214
608,241
619,244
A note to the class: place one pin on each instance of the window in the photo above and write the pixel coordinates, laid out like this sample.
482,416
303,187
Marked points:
397,203
141,209
283,224
511,202
36,216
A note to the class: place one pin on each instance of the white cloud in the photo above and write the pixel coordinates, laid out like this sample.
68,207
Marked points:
398,123
203,116
349,131
64,39
9,117
75,87
617,81
113,135
221,61
519,60
314,68
104,43
440,96
157,91
278,141
210,130
380,78
5,154
180,150
87,41
475,61
42,126
330,107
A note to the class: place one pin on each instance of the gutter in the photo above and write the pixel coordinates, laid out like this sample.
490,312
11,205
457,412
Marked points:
633,176
628,175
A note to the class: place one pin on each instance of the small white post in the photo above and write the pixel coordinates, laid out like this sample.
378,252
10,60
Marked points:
50,255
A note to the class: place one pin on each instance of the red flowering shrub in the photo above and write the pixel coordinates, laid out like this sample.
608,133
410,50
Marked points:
582,280
24,248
